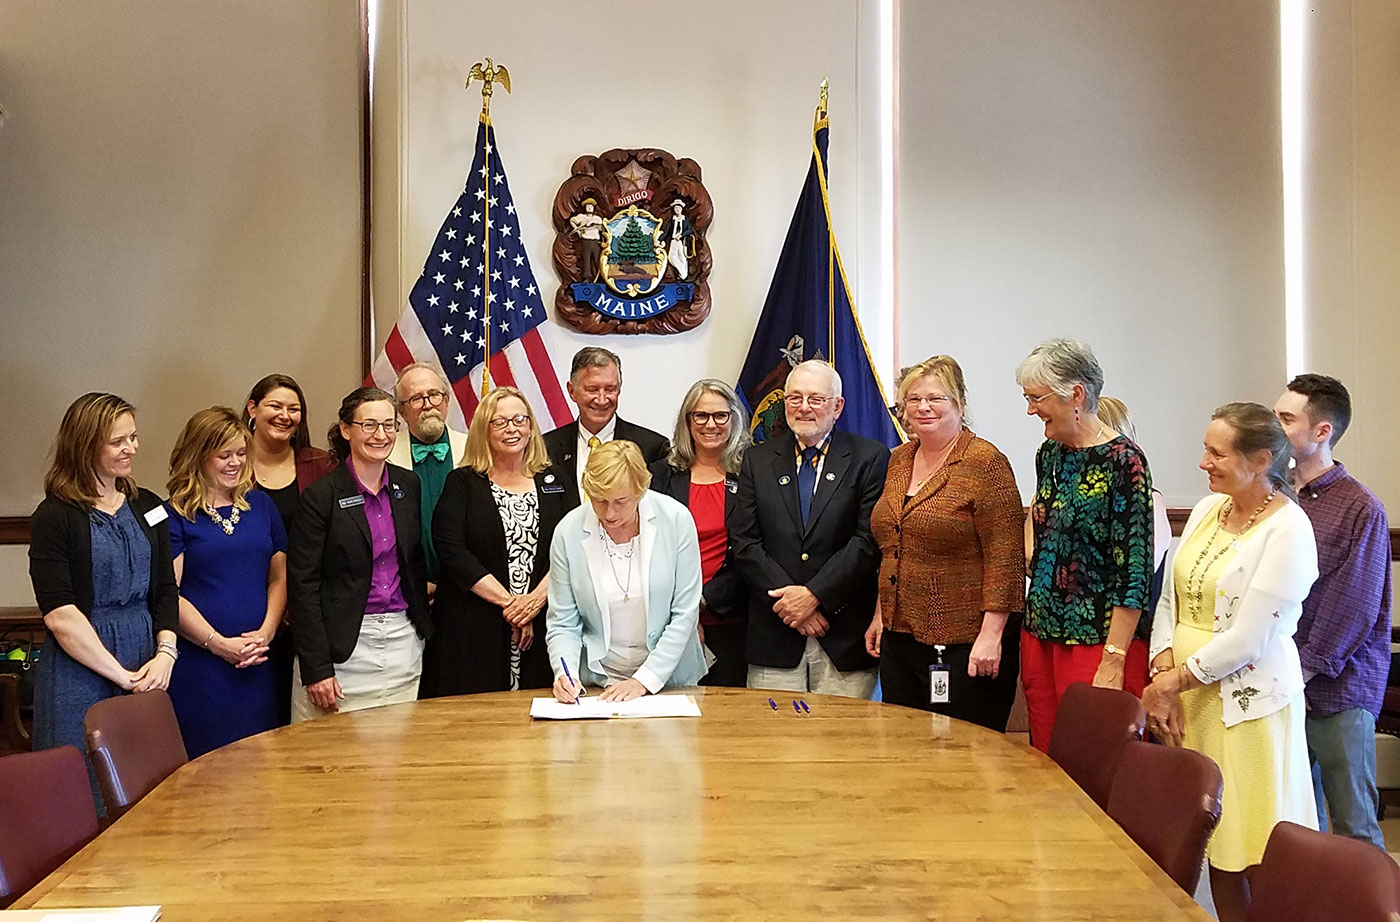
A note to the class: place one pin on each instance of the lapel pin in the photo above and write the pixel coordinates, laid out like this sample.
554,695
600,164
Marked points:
548,478
785,480
830,476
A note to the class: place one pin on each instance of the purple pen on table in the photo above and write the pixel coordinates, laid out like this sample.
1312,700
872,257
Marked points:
795,707
563,662
773,703
805,709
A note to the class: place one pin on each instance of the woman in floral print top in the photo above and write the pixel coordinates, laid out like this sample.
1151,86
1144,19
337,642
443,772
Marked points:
1088,539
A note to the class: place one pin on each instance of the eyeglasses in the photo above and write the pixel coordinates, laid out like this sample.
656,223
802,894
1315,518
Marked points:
815,401
1034,401
701,418
371,426
520,421
937,400
428,399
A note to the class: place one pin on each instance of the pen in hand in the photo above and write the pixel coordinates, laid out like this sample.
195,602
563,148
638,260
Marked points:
579,692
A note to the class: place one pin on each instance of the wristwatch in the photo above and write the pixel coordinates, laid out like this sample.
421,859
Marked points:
1115,651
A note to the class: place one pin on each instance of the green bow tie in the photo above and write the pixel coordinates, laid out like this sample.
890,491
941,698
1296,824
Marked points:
439,450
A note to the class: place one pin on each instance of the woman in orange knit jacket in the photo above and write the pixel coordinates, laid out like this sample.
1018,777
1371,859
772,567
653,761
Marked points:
952,574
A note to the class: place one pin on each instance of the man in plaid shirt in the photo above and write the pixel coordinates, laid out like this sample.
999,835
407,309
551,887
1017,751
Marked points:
1344,635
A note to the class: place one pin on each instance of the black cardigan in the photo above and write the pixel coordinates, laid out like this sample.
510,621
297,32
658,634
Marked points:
60,559
724,594
470,648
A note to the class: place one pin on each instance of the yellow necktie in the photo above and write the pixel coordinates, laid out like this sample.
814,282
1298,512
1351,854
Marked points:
593,443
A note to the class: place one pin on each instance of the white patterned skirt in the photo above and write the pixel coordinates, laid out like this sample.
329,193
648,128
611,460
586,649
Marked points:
384,668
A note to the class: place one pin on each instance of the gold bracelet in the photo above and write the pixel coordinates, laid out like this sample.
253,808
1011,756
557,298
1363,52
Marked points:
1158,670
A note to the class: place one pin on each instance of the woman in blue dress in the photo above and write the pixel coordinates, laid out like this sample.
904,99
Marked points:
231,564
99,559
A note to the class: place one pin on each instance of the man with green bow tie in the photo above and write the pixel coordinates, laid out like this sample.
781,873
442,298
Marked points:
431,449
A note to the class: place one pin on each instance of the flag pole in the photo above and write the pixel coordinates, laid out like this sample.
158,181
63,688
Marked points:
817,124
488,74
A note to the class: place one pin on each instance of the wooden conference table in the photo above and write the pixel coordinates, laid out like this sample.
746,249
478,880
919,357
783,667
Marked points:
463,808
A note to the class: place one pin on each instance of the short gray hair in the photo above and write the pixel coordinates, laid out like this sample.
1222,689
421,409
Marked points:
682,454
426,366
1060,364
594,357
820,367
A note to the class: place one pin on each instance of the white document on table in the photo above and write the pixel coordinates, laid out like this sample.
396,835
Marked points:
118,914
595,708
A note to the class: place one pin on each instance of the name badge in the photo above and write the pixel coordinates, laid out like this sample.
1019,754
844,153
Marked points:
938,683
156,516
552,488
349,502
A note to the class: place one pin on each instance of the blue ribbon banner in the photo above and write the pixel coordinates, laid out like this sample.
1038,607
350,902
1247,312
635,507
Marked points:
605,301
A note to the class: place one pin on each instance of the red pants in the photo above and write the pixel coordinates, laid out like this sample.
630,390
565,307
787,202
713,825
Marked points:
1048,668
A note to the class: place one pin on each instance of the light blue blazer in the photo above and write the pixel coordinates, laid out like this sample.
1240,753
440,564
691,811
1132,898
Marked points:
576,628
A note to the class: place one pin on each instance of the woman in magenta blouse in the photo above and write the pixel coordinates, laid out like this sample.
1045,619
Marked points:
701,472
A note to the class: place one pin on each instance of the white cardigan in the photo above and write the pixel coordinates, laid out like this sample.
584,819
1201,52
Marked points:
1258,601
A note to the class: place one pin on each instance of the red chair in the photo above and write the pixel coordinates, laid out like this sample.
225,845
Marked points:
1168,801
46,816
1091,728
1311,876
134,742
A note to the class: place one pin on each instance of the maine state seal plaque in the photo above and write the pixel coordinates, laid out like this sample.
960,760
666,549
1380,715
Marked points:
630,246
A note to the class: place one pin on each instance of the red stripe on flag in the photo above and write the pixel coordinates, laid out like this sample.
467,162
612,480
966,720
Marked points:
500,371
545,377
466,397
397,350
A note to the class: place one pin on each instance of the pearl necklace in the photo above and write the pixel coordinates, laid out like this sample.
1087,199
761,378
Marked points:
226,524
626,587
1196,602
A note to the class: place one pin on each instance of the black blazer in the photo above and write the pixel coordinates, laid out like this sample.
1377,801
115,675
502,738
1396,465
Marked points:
835,556
725,593
60,559
329,563
470,648
563,446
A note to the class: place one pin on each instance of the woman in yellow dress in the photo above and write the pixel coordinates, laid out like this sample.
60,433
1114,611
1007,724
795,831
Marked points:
1226,680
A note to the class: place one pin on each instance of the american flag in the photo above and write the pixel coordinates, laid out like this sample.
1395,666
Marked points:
477,293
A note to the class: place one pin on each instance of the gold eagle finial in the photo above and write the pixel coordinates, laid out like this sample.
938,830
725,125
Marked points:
488,73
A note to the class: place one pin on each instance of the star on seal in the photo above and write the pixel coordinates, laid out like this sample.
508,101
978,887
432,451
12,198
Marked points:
633,177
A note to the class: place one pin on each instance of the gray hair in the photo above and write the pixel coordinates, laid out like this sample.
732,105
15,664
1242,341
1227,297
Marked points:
820,367
425,366
594,357
682,454
1060,364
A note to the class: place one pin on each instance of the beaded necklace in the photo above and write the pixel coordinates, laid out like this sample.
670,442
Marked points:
1195,599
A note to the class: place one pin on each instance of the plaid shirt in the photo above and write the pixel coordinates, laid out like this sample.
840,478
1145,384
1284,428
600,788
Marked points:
1344,634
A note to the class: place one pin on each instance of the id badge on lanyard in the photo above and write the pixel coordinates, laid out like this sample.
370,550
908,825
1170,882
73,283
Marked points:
938,673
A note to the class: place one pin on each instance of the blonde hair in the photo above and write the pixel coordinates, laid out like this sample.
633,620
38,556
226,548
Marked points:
944,370
1113,413
204,435
73,475
616,468
478,455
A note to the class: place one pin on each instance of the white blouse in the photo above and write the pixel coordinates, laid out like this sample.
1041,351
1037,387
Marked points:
1258,601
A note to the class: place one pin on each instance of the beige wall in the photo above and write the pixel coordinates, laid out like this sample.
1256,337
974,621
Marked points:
181,212
1101,170
1352,224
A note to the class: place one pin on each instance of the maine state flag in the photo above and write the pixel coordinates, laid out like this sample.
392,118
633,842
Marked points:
809,315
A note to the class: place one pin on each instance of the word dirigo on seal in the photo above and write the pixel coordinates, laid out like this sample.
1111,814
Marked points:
630,245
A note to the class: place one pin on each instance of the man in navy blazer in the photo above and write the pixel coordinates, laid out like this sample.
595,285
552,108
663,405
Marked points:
801,538
595,383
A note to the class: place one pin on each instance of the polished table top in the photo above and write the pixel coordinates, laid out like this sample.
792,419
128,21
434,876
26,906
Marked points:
464,808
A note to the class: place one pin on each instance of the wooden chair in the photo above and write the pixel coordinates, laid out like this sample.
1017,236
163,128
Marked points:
1311,876
46,816
1168,801
1091,728
134,742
